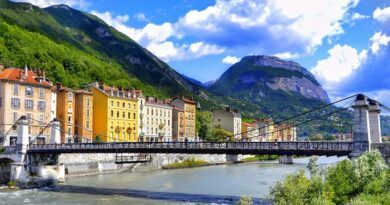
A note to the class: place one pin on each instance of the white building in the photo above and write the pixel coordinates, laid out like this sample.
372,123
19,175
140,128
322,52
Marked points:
229,120
158,120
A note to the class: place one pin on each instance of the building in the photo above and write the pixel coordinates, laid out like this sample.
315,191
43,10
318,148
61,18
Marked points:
115,117
188,106
66,112
84,116
24,92
266,129
158,120
250,132
229,120
141,116
178,125
285,132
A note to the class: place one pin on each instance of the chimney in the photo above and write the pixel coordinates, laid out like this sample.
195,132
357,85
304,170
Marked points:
43,75
227,109
25,70
155,99
59,86
147,98
101,85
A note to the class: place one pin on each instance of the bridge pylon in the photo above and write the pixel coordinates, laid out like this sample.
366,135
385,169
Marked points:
361,131
375,123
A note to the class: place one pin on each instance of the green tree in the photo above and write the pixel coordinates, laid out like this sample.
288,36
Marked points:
220,135
204,125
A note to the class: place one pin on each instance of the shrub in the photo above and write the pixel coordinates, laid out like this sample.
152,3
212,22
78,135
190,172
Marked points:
245,200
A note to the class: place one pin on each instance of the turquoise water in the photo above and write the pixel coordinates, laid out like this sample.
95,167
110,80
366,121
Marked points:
221,184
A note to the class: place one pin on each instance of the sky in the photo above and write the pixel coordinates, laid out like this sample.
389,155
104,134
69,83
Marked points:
344,43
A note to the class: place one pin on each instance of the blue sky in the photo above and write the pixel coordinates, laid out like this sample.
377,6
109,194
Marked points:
344,43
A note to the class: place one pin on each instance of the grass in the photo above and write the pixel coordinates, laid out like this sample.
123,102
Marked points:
260,158
193,162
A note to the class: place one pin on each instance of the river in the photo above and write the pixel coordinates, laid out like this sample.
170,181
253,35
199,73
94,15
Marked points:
220,184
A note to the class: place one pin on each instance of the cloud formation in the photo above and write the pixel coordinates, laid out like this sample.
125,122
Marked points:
230,60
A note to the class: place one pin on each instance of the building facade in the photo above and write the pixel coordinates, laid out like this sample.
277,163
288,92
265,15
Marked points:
250,132
178,125
158,120
229,120
84,116
189,114
115,117
66,112
24,92
285,132
266,129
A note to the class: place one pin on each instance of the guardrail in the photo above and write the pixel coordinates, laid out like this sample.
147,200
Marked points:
299,148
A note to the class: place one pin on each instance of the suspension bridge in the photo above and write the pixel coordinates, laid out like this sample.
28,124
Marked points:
366,135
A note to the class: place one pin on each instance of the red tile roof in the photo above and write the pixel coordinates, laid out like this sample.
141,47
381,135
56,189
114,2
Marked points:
185,99
18,75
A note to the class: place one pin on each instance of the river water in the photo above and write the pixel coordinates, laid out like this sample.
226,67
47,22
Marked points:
222,184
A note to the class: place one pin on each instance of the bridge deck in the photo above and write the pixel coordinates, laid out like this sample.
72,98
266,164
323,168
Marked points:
276,148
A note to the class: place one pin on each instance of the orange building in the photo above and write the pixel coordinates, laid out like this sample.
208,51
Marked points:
84,116
66,112
189,111
178,125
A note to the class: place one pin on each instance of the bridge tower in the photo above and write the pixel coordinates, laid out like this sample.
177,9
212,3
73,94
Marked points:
18,171
375,123
361,131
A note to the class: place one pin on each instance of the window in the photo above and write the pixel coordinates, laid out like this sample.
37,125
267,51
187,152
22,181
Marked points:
16,89
124,105
1,101
29,118
123,115
16,116
70,96
88,102
112,113
42,119
112,103
70,119
135,106
117,104
128,115
117,114
41,105
87,124
29,104
15,103
41,93
134,116
169,123
69,131
129,105
87,111
29,91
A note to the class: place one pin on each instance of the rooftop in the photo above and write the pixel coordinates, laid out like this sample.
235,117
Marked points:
25,76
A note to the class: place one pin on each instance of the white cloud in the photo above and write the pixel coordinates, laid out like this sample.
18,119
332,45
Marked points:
287,55
378,40
340,64
141,17
264,24
155,38
230,60
357,16
382,15
46,3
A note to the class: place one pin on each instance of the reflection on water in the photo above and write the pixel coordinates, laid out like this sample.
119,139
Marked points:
214,184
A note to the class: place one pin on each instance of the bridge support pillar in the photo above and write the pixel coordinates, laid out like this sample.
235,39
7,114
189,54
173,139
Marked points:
23,139
375,124
285,159
361,127
55,135
19,172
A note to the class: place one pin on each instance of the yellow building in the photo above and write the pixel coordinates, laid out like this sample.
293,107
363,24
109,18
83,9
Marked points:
115,113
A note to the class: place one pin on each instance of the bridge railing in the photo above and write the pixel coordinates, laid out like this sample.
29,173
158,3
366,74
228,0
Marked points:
335,146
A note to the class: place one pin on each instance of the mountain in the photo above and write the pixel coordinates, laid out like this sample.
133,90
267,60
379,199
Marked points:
272,84
194,81
385,125
209,83
76,48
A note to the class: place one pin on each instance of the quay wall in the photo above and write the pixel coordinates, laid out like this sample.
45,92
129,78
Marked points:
84,164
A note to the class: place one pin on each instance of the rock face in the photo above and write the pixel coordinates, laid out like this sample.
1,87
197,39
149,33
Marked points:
256,77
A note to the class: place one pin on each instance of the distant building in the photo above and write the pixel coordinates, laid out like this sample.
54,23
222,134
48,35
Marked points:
250,132
158,120
266,129
189,111
24,92
285,132
178,124
229,120
115,117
